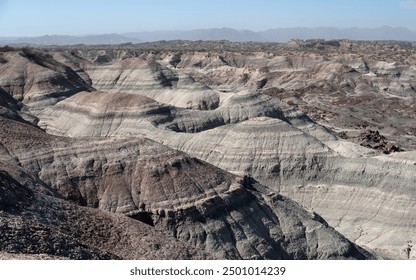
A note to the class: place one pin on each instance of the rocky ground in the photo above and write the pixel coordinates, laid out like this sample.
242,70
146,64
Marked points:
304,150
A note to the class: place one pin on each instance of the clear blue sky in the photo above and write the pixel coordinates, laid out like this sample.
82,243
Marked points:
78,17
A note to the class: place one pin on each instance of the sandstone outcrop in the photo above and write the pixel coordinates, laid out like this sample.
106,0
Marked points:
373,139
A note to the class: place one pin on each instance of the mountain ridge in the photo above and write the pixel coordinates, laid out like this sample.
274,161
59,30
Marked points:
234,35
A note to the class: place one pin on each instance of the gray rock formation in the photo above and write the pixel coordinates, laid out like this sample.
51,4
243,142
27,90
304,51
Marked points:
222,214
270,119
38,226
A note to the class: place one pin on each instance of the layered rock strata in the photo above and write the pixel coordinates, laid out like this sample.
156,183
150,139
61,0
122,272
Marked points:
39,226
273,116
222,214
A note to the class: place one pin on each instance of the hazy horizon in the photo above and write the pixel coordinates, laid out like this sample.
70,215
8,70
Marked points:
196,29
24,18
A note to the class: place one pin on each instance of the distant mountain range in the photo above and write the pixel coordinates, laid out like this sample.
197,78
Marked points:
279,34
271,35
69,40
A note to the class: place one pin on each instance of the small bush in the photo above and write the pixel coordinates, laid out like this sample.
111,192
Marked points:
7,49
28,52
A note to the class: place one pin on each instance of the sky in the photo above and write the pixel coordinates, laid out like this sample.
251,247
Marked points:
82,17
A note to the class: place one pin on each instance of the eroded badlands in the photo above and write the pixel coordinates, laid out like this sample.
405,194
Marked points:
295,151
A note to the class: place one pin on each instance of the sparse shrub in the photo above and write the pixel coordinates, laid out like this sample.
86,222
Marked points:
31,54
28,52
39,57
176,59
7,49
